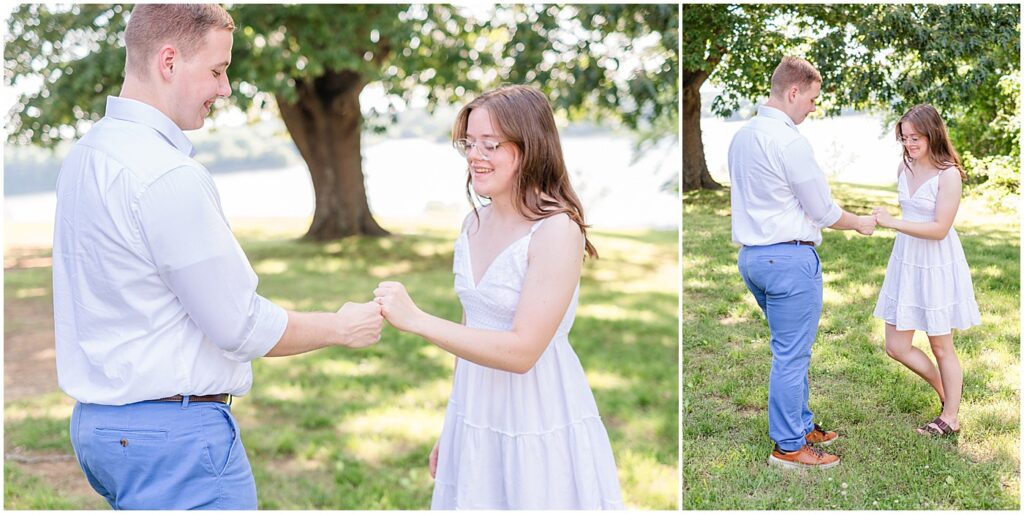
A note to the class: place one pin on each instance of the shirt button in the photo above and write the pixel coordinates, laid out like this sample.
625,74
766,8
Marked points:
124,442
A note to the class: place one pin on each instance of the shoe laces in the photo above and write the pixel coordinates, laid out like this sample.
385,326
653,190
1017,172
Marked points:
816,451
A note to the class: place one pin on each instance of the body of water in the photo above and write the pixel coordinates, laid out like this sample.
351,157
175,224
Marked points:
407,178
850,148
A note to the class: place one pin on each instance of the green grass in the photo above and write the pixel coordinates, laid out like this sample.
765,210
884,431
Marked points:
873,401
23,489
343,429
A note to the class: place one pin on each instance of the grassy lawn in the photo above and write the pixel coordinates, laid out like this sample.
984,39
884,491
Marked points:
343,429
871,400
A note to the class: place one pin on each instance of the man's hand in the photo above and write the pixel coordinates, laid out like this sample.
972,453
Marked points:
865,225
361,323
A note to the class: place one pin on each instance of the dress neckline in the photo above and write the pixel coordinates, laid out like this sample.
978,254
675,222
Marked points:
469,253
920,187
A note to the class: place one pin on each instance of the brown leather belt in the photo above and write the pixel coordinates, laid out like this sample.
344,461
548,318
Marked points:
216,398
795,242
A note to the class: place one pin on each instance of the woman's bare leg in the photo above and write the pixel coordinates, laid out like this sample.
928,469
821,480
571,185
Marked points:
898,346
952,377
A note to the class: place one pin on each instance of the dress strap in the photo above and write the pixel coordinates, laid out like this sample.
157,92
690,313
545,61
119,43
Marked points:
536,225
471,218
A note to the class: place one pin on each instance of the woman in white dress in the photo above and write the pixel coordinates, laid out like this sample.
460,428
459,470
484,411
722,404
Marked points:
928,283
521,429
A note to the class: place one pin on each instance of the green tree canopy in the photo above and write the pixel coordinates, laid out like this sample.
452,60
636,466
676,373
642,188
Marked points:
964,59
310,62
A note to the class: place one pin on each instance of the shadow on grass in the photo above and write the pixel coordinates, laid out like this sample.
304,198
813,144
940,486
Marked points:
351,429
873,401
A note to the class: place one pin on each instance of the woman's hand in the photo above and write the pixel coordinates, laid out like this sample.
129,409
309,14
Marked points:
397,307
883,217
432,460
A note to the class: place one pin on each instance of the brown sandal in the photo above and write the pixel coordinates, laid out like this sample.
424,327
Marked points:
937,427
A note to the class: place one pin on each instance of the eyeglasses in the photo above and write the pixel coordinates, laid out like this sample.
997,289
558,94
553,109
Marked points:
911,139
483,147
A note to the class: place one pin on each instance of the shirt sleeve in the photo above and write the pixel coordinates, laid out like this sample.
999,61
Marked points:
809,184
199,259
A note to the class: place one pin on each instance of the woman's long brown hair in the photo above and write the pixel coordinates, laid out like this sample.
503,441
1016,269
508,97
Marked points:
541,188
927,122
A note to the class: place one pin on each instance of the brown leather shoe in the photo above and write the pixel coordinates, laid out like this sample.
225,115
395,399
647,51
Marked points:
819,436
807,457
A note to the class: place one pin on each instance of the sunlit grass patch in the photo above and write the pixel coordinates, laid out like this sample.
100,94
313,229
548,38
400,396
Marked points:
53,406
26,490
874,402
647,484
351,429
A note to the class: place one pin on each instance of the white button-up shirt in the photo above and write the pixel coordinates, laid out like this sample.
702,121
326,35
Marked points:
152,295
779,193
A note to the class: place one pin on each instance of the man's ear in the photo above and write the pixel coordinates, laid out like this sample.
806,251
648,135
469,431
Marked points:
167,57
793,91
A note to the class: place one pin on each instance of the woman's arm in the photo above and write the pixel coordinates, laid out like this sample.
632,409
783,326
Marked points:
555,256
946,205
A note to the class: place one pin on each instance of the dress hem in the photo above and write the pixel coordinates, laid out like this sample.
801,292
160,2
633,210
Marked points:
461,418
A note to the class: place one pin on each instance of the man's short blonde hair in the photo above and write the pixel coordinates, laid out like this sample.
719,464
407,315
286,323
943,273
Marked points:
185,26
793,71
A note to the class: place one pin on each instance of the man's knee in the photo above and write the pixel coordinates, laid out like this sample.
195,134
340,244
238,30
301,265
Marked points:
791,361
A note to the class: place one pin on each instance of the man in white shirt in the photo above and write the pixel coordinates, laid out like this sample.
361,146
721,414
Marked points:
780,203
156,312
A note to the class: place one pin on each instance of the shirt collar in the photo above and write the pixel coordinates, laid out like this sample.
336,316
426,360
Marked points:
142,113
771,112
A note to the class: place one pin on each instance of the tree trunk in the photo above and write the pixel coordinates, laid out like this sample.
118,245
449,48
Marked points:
695,166
326,125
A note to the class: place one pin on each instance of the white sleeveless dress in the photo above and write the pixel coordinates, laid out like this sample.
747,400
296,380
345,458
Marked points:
927,284
529,441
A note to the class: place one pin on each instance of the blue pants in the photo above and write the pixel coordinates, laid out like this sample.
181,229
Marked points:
785,279
163,455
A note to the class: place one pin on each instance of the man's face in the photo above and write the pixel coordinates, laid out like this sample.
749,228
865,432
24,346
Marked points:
200,78
805,102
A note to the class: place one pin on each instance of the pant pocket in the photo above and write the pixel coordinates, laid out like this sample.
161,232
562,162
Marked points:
126,437
220,432
812,267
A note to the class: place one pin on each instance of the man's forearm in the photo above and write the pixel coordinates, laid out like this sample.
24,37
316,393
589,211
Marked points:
865,225
307,331
847,221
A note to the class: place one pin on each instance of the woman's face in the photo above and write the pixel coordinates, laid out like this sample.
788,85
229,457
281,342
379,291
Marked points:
491,172
915,142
